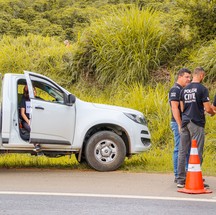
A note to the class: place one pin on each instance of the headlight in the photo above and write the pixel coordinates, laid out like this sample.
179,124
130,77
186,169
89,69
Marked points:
137,118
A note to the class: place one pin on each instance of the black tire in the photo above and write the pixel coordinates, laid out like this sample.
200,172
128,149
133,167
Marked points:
105,151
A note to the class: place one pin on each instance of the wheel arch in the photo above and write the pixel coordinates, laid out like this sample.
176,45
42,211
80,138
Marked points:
121,132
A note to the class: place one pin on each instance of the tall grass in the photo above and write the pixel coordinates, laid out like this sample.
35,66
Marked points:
44,55
205,56
123,47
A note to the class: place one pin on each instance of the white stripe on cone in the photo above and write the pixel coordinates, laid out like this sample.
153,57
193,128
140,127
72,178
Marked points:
194,168
194,151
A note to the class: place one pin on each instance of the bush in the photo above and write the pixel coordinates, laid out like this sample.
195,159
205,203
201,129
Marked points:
124,47
205,56
201,17
36,53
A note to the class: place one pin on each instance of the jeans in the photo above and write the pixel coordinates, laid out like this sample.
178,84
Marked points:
190,132
175,130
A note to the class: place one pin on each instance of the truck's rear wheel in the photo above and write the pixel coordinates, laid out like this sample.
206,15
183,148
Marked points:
105,151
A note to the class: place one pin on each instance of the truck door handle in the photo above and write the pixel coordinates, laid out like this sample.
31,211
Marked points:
38,107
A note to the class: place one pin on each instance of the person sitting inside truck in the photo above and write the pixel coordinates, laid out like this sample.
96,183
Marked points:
25,107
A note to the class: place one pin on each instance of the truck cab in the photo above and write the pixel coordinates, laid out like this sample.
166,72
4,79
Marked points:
101,135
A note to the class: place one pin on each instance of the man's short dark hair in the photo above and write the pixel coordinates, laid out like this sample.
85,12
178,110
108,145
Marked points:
198,70
182,71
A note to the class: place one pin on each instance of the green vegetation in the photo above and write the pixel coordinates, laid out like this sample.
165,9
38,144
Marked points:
122,52
131,40
156,160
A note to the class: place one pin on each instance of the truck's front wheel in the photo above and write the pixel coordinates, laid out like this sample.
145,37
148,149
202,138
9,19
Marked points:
105,151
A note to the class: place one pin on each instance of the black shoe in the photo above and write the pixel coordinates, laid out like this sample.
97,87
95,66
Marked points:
37,148
175,180
206,185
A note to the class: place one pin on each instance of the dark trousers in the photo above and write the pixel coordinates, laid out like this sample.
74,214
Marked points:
190,132
26,126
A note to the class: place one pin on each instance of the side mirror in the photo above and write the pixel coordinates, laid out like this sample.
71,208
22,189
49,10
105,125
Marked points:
71,100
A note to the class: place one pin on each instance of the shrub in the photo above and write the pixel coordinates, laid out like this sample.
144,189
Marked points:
201,17
205,56
35,53
122,47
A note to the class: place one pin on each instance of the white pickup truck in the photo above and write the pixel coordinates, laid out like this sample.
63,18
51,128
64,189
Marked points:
101,135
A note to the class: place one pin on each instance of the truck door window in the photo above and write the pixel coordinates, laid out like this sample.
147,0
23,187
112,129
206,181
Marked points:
48,93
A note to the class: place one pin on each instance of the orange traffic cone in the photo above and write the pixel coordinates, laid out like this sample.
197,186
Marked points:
194,181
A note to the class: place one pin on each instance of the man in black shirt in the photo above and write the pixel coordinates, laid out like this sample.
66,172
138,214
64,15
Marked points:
183,79
194,100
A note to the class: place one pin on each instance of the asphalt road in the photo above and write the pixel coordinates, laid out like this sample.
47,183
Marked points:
33,191
67,205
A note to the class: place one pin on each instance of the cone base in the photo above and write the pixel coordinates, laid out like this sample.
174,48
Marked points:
201,191
194,181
